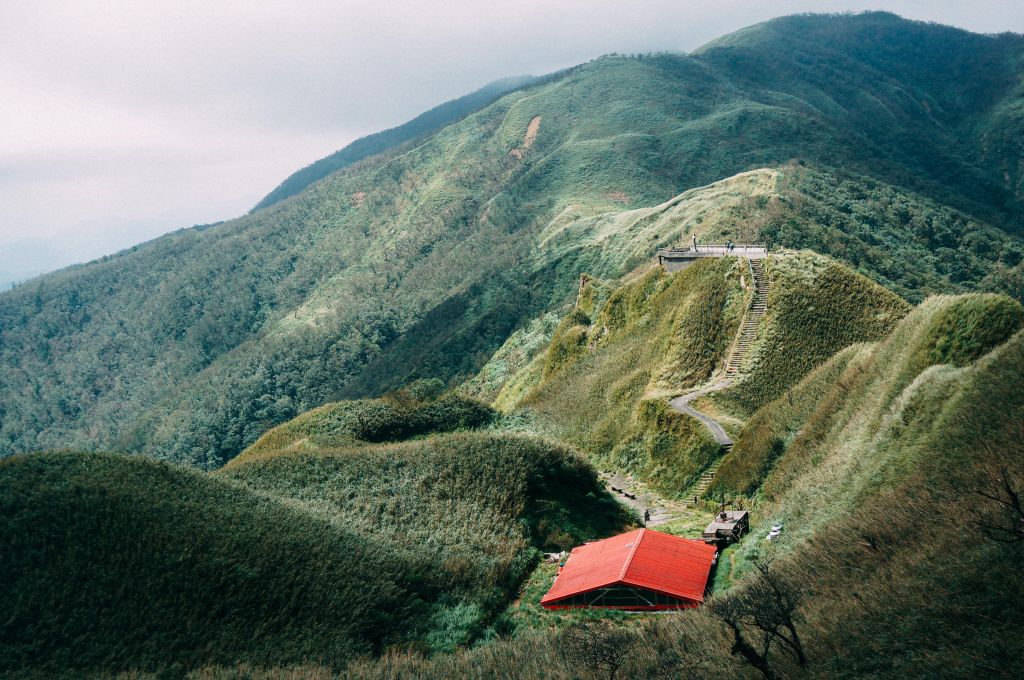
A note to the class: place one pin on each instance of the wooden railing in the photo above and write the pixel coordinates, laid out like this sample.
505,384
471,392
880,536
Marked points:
716,249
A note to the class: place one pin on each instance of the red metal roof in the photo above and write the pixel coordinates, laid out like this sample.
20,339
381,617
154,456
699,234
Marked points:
643,558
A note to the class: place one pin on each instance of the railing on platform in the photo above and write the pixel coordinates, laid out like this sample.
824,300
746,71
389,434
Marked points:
715,249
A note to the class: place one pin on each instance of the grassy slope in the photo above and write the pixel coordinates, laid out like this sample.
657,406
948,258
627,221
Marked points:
883,449
116,563
389,140
816,307
911,244
601,384
349,423
466,509
603,381
874,474
333,292
120,563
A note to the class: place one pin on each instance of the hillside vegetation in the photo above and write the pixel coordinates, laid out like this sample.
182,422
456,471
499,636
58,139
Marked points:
603,381
114,563
816,307
393,139
348,423
119,563
884,465
420,262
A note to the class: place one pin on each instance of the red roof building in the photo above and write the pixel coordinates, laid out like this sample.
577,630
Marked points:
639,570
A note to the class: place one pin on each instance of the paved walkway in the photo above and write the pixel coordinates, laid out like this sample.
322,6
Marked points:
682,404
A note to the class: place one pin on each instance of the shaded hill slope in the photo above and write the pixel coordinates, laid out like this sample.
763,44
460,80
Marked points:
119,563
126,564
422,262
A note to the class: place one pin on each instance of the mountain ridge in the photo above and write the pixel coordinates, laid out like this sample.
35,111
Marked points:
387,140
420,264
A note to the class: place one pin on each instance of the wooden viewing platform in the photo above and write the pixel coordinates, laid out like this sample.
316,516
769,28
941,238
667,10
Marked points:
727,527
674,259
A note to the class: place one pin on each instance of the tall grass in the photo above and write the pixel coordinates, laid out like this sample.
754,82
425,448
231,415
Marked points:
816,307
606,372
878,495
348,423
119,563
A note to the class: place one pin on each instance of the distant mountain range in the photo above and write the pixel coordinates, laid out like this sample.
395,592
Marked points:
890,144
367,409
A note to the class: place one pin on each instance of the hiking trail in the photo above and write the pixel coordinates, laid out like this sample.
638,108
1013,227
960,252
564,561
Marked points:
734,366
634,493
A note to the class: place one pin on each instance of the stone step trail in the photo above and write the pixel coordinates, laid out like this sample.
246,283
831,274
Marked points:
745,338
706,478
748,329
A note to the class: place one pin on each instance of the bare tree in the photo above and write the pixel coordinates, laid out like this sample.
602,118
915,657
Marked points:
600,648
761,615
1002,518
671,653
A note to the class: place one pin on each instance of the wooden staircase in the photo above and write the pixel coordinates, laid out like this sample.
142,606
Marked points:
748,329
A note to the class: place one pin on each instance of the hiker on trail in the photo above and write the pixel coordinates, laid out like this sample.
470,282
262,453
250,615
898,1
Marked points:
647,516
694,237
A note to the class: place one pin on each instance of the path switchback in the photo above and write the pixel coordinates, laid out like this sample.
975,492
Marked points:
733,367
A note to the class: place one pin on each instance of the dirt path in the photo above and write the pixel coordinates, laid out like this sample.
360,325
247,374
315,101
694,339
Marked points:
745,337
641,498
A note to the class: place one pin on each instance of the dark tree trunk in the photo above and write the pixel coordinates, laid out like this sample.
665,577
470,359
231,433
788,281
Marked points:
751,655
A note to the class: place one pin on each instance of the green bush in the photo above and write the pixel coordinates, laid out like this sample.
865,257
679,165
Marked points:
393,418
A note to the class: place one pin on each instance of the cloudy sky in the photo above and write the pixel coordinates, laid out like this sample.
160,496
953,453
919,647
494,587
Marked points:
121,120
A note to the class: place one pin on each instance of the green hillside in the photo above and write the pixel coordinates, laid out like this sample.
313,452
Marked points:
603,381
816,307
419,263
119,563
390,140
115,563
349,423
885,466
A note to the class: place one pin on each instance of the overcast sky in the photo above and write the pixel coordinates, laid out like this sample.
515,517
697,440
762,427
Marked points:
122,120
